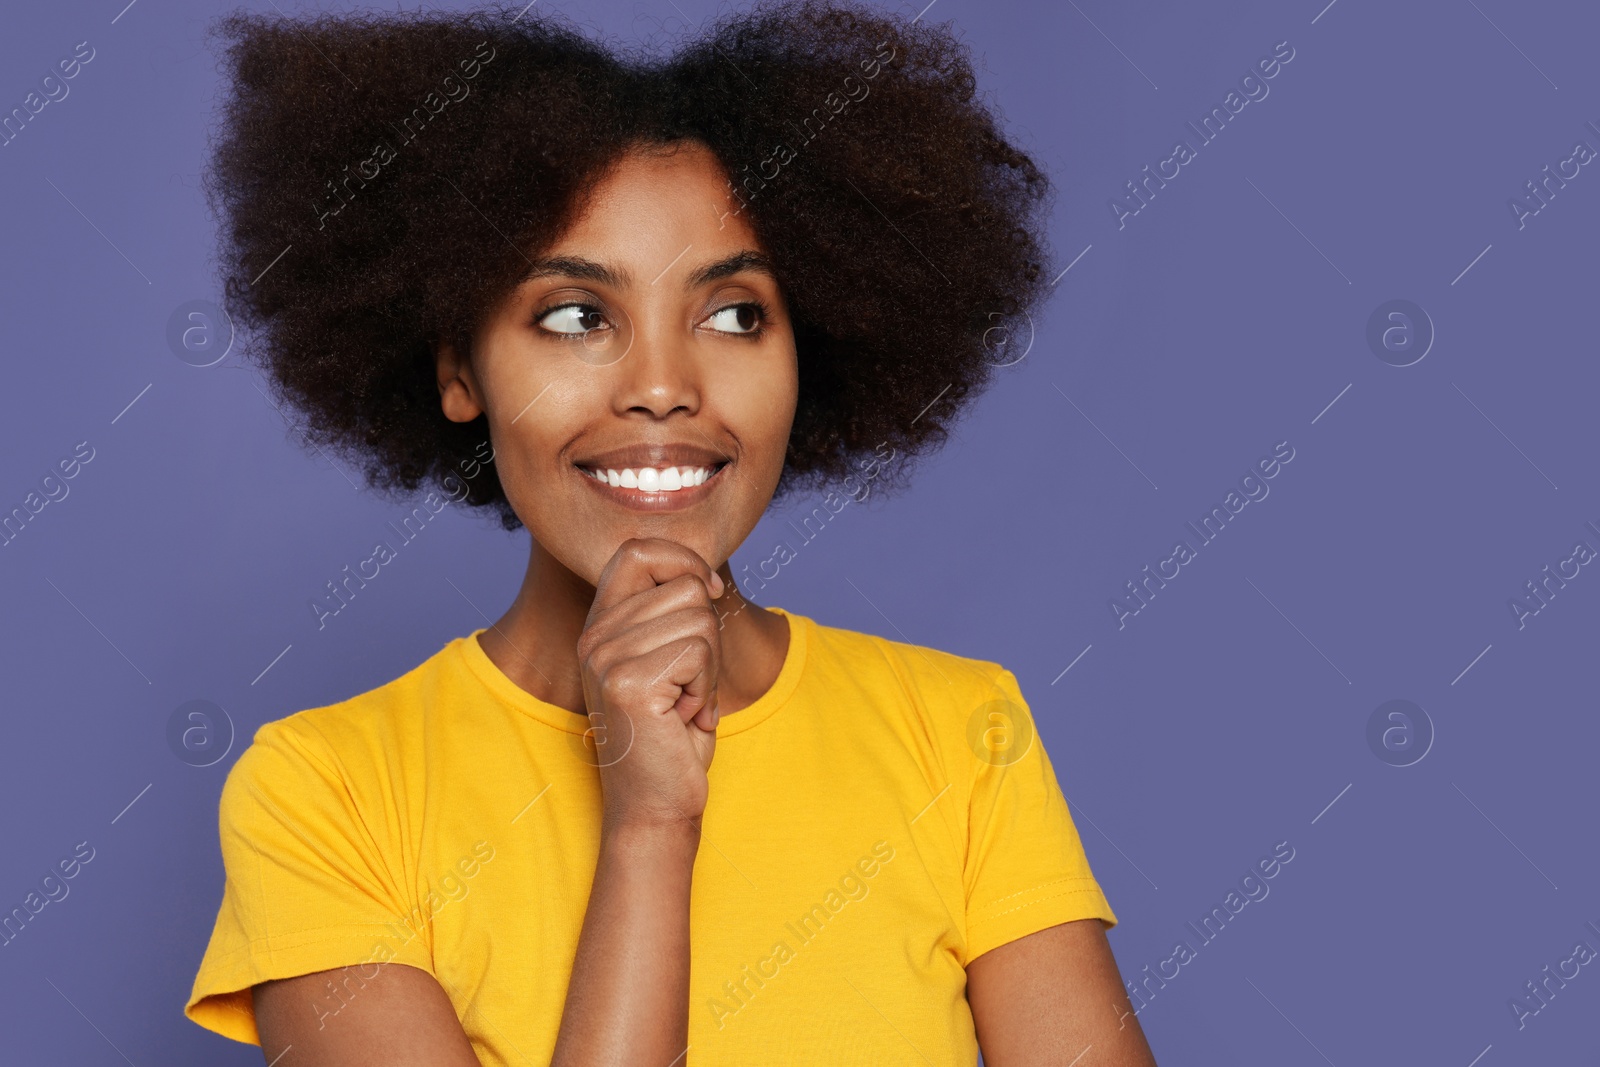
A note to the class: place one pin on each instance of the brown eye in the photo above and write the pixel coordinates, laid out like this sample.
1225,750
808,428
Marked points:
737,318
572,319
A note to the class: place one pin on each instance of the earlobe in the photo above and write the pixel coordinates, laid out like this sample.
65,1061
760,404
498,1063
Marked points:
458,393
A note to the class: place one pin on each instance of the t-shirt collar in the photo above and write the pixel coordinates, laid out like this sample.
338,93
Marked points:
752,715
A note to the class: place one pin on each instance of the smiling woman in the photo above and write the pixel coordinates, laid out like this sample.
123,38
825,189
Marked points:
568,270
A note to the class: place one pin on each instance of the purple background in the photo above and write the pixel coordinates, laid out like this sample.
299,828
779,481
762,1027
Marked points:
1227,316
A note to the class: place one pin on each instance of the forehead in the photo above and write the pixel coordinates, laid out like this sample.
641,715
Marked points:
655,205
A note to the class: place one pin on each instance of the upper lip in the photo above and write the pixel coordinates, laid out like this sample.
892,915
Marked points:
653,455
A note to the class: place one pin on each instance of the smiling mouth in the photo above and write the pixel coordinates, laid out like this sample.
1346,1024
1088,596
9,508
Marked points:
653,479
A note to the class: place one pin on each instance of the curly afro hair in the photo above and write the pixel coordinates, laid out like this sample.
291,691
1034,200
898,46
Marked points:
381,181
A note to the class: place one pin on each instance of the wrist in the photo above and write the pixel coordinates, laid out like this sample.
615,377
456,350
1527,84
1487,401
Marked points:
637,838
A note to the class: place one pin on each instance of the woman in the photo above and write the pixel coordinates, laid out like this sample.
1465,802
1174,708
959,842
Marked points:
625,303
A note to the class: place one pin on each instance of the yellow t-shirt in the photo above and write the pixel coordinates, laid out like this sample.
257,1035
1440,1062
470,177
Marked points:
880,817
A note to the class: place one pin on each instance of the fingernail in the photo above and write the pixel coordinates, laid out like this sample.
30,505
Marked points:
721,586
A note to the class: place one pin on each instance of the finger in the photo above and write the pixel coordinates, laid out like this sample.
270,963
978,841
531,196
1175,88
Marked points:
641,639
672,678
707,717
685,592
692,672
704,742
640,563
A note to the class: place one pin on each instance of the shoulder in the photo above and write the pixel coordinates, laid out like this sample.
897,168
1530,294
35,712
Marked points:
358,738
928,677
964,716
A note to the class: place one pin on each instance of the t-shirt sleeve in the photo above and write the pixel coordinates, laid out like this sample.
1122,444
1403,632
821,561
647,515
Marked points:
1026,869
306,886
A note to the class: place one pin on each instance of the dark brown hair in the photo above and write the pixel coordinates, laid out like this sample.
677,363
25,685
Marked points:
382,181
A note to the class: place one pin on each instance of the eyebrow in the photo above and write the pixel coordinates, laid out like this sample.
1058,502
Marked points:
589,270
744,260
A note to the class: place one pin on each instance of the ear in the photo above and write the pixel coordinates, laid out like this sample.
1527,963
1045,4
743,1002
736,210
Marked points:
459,395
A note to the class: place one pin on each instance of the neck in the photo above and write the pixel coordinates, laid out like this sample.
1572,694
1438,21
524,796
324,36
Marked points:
535,643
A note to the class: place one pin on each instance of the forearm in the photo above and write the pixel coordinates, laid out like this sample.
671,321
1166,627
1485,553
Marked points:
628,997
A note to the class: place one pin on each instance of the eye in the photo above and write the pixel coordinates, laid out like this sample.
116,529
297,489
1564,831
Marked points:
572,319
746,318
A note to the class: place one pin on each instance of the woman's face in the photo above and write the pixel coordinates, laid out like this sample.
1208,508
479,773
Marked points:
637,348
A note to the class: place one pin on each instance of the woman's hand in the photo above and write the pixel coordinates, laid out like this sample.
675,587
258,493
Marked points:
650,653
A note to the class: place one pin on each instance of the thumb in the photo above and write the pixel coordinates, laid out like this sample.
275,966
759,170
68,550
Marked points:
706,718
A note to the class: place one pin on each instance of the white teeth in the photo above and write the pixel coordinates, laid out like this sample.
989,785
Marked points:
652,479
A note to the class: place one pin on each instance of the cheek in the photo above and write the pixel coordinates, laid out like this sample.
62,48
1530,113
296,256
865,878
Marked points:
785,399
530,417
762,423
766,397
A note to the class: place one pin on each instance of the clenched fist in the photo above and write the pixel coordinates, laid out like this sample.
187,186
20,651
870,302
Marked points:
649,653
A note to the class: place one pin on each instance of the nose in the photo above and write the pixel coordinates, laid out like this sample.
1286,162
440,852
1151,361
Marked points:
659,375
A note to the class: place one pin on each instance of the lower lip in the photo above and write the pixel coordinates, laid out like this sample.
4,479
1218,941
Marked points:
639,500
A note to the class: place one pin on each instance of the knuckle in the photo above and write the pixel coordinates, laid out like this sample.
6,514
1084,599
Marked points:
601,662
682,554
707,622
592,644
690,589
615,685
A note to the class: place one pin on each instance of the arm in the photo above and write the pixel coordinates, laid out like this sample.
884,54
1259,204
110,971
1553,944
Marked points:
401,1018
628,999
1051,997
